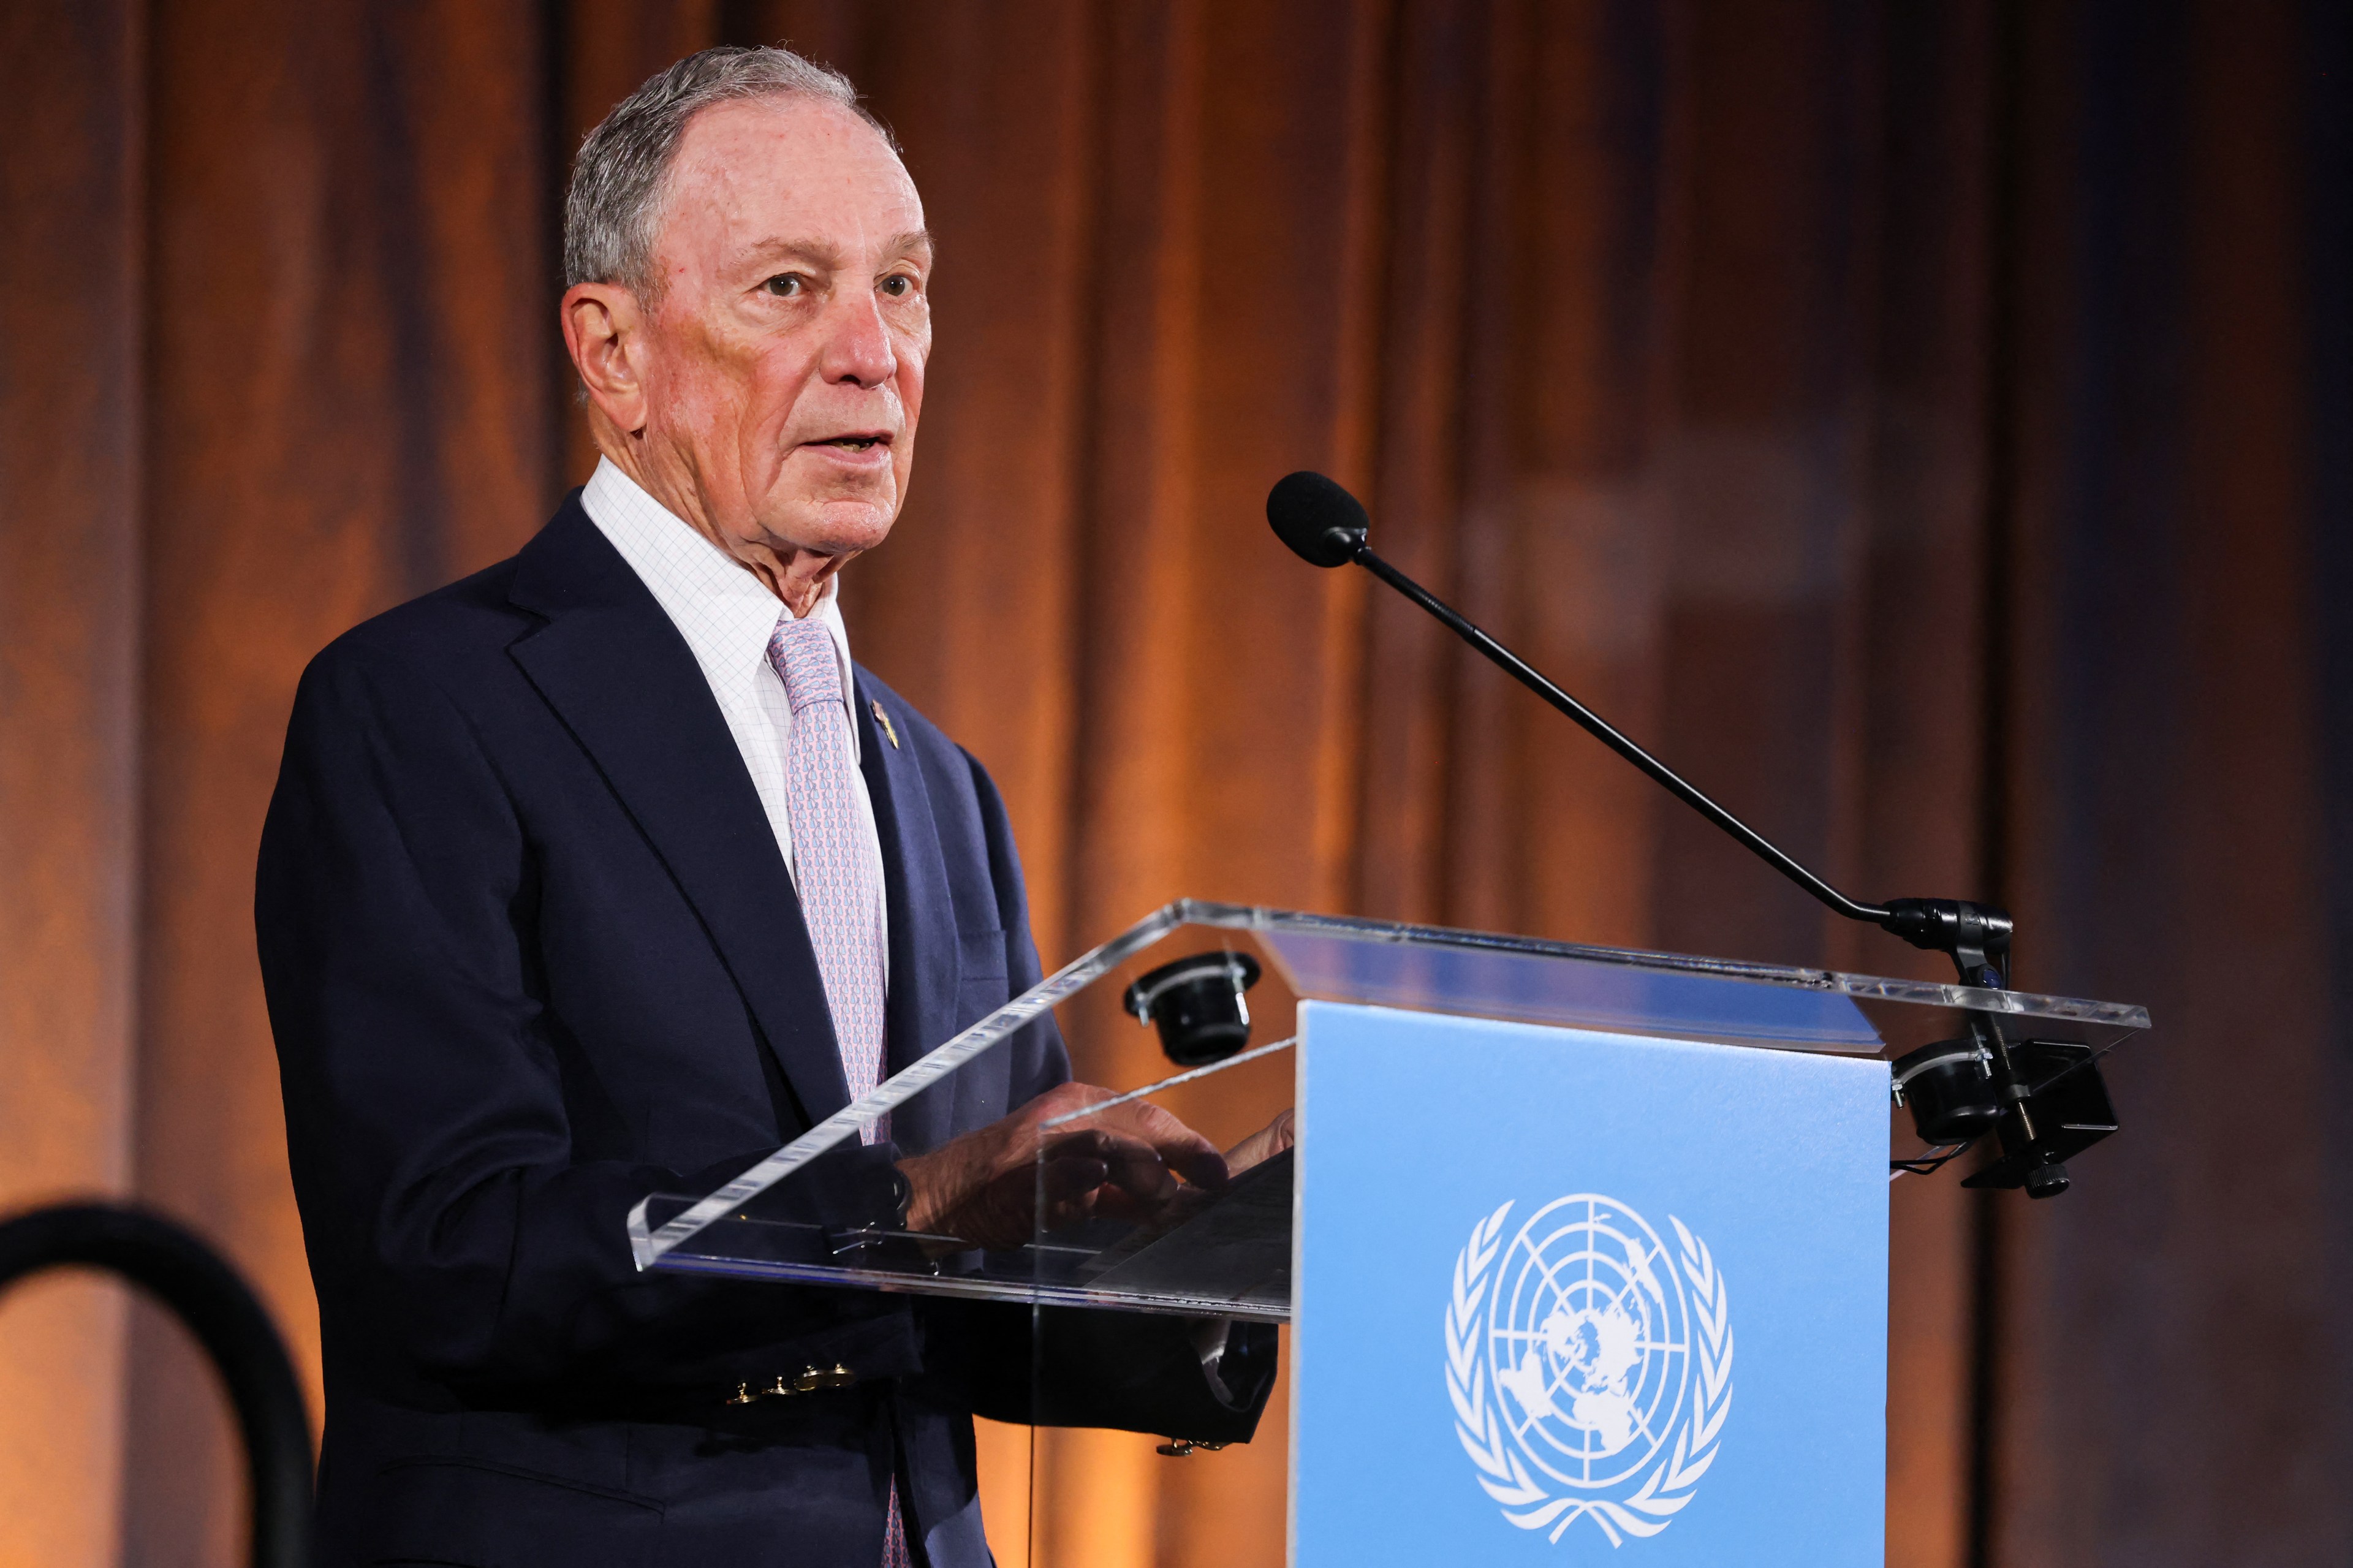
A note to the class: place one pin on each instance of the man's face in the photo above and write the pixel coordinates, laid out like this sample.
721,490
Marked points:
780,362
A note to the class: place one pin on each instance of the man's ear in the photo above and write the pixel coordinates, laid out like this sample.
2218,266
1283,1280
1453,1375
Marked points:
604,330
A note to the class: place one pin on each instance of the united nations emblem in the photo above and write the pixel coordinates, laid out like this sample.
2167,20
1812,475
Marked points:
1589,1367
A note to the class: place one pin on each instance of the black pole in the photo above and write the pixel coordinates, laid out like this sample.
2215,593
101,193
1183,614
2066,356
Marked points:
204,1293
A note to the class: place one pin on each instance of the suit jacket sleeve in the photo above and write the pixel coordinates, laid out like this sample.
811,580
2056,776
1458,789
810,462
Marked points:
426,1106
1132,1371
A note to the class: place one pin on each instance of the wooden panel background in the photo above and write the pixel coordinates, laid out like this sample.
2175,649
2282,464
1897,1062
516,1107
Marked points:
1926,423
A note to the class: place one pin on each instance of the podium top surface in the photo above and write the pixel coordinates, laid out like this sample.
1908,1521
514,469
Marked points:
1291,958
1435,969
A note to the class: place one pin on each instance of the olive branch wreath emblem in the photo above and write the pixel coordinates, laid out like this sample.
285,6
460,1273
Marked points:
1479,1422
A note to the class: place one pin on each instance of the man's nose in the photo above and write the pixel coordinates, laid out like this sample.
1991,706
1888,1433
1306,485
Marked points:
858,344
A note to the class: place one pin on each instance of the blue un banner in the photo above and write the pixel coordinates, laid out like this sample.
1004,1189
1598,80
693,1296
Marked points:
1566,1297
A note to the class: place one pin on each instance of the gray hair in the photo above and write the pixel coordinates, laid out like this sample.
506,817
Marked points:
613,212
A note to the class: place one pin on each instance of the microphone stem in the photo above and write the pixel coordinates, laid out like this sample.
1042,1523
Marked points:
1602,731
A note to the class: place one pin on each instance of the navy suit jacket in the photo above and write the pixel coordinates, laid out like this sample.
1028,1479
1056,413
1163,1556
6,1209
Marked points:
532,953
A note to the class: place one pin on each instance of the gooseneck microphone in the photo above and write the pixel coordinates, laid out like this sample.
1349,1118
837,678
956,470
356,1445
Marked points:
1325,526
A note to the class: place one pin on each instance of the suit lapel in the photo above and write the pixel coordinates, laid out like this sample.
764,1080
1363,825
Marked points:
622,680
919,1012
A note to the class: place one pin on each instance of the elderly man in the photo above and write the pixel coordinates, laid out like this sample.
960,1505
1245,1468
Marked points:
605,872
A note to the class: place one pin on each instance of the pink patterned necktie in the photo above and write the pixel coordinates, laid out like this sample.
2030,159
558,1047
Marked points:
833,864
834,873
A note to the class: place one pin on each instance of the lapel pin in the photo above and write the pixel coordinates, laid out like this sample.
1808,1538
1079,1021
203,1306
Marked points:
883,718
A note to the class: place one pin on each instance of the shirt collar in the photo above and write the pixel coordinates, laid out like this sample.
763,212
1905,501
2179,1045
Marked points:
724,612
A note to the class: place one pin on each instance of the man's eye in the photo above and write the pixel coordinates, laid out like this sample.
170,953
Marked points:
898,285
785,285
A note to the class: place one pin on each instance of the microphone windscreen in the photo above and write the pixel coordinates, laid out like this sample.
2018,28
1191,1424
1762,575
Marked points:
1323,524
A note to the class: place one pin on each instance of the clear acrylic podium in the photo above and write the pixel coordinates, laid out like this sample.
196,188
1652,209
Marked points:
1230,1254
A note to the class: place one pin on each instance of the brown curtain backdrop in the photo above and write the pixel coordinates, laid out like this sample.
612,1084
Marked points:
71,225
1926,421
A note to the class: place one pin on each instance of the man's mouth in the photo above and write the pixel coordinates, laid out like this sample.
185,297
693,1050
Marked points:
859,443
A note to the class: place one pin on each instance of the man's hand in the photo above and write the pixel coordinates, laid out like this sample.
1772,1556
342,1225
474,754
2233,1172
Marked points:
984,1186
1263,1144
